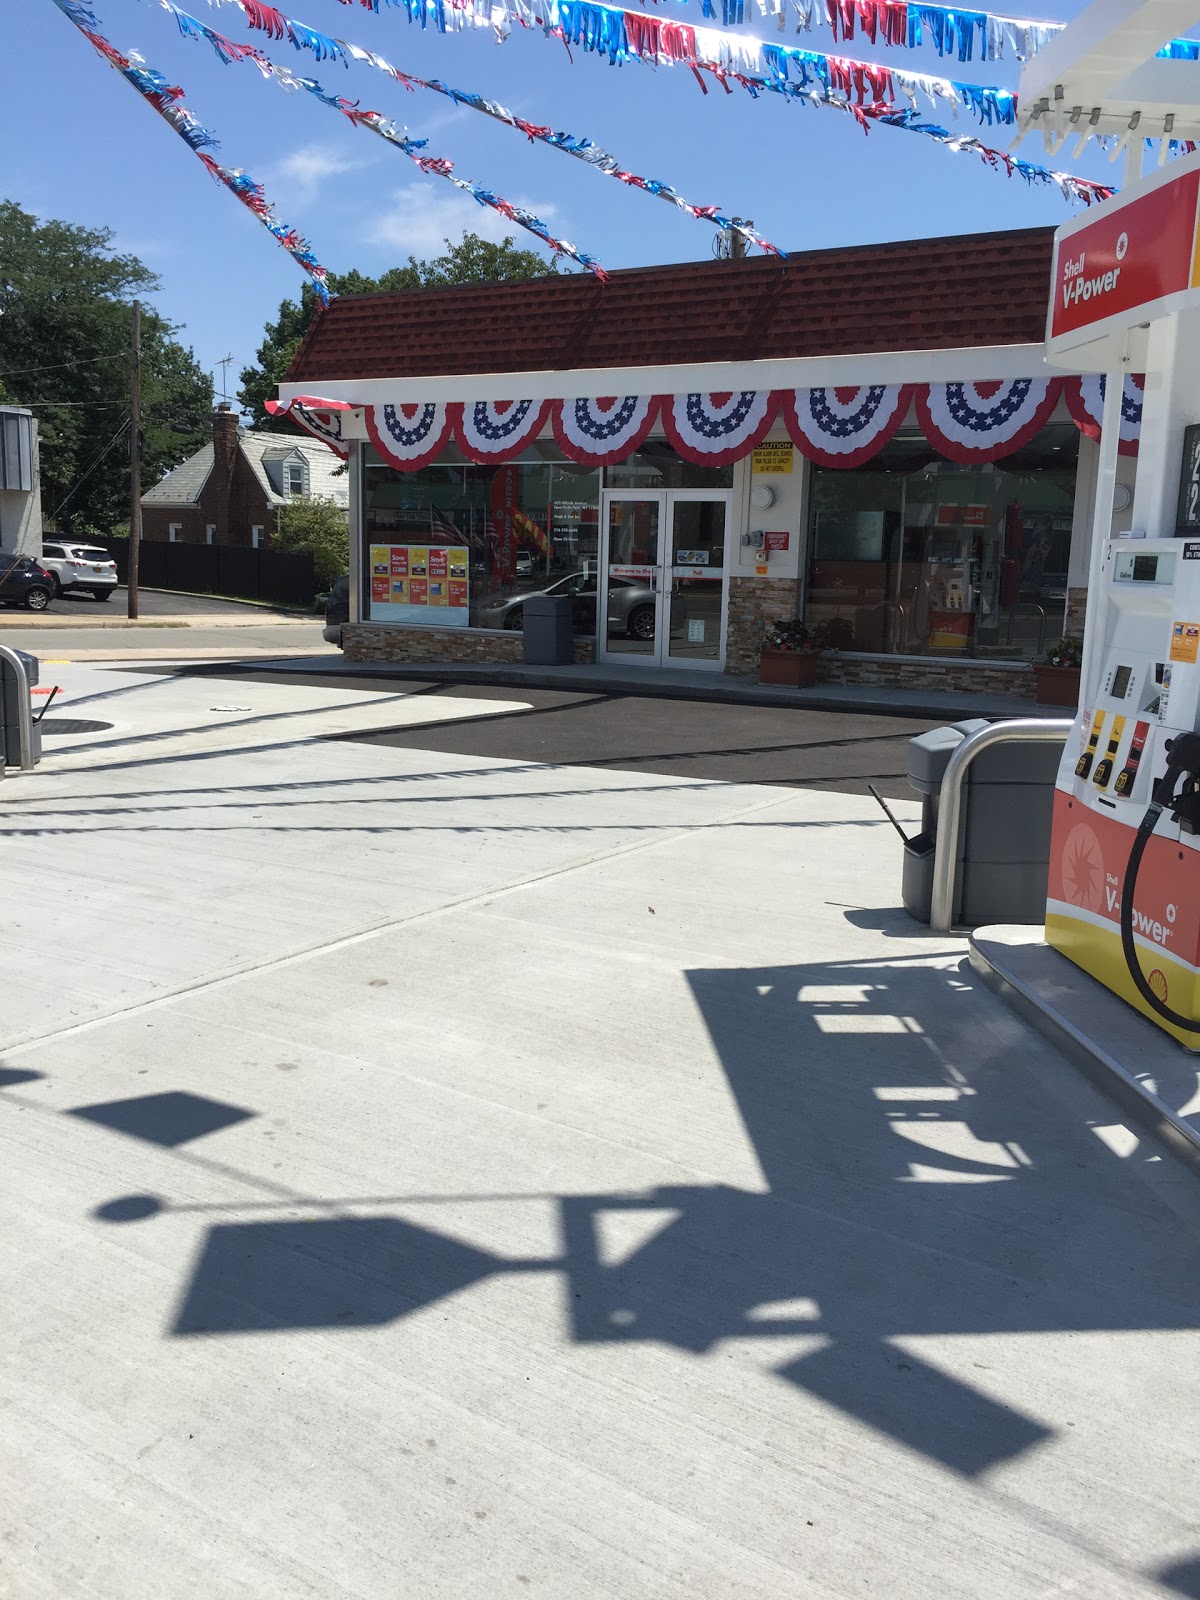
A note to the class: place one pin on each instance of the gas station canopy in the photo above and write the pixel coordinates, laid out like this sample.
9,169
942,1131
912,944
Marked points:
1102,76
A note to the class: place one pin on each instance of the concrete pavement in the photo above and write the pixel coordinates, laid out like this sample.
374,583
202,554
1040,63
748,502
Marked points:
438,1174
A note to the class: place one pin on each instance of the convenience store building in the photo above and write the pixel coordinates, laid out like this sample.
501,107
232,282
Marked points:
865,437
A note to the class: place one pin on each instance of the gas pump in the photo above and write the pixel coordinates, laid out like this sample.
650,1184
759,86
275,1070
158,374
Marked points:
1123,898
1124,890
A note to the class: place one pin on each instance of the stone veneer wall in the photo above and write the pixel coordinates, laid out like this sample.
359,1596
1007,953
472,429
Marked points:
1076,613
753,603
366,641
921,672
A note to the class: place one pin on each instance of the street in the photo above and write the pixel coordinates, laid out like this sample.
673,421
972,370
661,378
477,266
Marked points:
440,1169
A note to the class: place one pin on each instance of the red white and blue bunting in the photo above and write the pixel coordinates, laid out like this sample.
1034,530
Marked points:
497,430
844,427
716,429
972,423
980,422
1085,402
409,436
324,425
599,433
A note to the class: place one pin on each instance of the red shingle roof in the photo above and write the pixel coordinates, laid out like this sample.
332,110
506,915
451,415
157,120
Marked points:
924,294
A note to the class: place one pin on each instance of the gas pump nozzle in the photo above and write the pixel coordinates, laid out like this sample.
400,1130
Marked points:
1183,757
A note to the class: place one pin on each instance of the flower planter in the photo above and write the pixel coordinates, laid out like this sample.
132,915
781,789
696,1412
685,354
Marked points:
796,668
1057,686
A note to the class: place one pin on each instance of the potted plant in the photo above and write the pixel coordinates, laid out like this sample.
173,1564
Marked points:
790,652
1057,673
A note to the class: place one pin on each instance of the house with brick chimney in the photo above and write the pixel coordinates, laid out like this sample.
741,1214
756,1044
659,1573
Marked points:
231,491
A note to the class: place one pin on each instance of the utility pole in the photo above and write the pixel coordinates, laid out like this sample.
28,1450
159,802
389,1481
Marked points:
737,241
135,459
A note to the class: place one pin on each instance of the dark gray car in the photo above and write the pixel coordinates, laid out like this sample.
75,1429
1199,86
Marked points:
630,606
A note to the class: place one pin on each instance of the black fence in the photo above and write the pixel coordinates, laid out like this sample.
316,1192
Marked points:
227,569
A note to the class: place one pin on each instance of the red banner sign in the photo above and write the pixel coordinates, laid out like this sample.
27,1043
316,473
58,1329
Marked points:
506,495
1121,263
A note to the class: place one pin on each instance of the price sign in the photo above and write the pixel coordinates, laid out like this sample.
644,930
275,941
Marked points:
1187,518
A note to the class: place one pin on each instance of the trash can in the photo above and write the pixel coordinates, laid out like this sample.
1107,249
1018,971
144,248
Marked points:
10,727
547,630
1003,854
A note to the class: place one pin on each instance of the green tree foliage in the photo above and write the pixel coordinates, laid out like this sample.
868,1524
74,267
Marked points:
317,528
472,260
65,330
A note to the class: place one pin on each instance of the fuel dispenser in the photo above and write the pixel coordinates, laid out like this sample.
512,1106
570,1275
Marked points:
1124,886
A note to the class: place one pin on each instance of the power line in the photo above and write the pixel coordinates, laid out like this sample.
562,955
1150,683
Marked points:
80,481
84,361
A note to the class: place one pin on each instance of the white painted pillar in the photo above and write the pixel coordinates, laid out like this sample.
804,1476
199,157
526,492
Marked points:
1106,483
1172,401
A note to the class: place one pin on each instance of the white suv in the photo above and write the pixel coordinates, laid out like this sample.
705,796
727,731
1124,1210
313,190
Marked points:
80,567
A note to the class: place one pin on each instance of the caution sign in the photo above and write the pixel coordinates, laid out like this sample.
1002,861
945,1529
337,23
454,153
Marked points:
775,457
1185,641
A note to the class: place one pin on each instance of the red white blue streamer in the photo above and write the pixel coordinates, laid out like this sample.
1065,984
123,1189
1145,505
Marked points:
844,427
325,47
599,433
409,436
167,100
1085,402
716,429
498,430
980,422
228,52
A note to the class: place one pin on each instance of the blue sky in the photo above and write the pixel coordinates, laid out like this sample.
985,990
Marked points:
83,147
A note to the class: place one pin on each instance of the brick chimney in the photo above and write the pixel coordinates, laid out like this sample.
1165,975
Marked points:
225,449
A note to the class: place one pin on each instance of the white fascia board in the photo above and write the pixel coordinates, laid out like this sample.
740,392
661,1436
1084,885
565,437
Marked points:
800,372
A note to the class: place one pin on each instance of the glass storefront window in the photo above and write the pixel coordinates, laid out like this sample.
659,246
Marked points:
455,544
917,555
657,466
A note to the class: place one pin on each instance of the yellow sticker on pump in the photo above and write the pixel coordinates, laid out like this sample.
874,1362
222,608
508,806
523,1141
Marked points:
1104,766
1185,641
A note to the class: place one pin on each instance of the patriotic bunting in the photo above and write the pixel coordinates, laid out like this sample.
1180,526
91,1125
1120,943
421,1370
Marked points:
715,429
845,427
409,436
598,433
497,430
1085,402
978,422
323,425
276,25
167,100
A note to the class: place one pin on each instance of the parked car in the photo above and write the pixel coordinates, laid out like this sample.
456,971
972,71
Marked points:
630,606
524,564
24,583
80,569
337,610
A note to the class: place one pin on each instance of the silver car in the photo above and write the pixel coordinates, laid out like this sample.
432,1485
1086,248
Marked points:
630,606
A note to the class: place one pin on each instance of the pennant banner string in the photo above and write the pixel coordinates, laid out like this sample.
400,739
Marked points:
192,28
759,68
278,26
167,100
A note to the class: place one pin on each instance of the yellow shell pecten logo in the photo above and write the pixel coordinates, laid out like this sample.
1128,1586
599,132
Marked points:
1157,979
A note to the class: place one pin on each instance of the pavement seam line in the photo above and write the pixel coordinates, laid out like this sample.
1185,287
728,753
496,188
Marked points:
375,929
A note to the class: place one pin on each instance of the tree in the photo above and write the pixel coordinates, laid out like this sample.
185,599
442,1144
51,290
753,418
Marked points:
65,330
317,528
472,260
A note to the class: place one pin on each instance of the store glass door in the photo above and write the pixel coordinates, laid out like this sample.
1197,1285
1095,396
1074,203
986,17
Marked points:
662,594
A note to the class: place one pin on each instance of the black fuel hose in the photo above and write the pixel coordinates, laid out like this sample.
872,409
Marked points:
1145,831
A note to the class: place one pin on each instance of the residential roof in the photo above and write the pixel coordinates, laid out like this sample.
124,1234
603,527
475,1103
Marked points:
184,486
965,292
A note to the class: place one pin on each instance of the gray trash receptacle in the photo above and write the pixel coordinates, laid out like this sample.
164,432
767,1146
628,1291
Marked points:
10,728
547,630
1003,852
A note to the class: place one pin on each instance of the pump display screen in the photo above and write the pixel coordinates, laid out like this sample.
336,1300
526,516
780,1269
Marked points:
1120,683
1131,568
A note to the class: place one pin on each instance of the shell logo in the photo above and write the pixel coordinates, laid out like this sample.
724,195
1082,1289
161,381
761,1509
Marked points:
1157,980
1083,868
